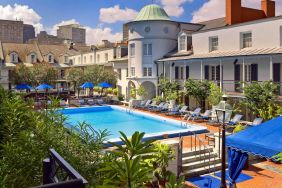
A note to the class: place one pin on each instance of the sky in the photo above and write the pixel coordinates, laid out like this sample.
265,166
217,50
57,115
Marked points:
103,19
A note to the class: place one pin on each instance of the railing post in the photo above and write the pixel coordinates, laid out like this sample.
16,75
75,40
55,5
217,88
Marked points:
47,170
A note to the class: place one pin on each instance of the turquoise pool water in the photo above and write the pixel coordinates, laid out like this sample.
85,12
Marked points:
117,119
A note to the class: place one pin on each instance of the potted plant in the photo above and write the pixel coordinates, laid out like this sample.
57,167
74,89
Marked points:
141,93
172,98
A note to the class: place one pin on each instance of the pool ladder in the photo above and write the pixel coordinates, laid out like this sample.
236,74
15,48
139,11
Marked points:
129,110
183,123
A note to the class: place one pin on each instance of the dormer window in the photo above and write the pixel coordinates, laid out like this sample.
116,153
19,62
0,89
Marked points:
213,43
14,57
183,43
50,58
66,59
32,58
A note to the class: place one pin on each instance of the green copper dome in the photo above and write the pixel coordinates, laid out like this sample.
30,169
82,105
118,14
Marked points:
152,12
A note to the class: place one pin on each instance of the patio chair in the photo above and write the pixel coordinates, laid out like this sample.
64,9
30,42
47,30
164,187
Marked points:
173,111
183,110
235,120
154,103
193,114
100,102
81,102
91,102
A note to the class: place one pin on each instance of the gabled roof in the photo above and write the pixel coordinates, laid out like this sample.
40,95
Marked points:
212,24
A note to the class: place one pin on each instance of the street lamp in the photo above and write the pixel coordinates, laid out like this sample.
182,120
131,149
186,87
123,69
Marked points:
221,110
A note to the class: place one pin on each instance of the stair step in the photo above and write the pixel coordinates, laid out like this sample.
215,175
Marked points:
202,163
200,171
198,157
197,152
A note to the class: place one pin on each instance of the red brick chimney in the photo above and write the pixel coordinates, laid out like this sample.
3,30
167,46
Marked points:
235,13
268,7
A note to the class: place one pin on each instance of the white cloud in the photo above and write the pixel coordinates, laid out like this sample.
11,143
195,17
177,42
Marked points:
93,35
216,9
21,12
116,14
174,7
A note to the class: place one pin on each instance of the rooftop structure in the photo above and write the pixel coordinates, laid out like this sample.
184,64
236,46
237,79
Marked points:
152,12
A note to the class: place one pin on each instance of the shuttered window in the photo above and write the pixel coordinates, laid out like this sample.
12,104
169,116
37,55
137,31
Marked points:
187,72
176,72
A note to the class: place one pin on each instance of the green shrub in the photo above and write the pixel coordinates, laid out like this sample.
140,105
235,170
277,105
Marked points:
239,128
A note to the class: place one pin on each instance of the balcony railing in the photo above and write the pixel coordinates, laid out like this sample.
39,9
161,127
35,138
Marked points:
58,173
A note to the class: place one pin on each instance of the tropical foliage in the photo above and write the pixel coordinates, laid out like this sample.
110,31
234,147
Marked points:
261,99
166,86
215,94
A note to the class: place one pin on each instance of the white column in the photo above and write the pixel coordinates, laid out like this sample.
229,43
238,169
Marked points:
244,73
170,71
271,69
201,70
164,69
221,75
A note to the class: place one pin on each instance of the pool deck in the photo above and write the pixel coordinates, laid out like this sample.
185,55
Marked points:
265,174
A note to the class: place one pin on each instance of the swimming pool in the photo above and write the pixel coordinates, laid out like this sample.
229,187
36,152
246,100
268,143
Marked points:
115,119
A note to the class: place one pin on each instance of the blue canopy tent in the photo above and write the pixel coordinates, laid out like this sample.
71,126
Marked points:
23,87
44,87
87,85
105,85
264,140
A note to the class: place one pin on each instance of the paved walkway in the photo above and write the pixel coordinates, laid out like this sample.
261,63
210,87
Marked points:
265,174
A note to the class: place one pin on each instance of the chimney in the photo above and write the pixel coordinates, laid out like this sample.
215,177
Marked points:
268,7
233,11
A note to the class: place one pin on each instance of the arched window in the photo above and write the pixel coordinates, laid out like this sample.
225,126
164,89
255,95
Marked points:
14,57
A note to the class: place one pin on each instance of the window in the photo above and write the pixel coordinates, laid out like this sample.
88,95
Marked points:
248,73
280,35
62,74
132,71
181,73
147,71
147,29
147,49
66,59
106,57
119,52
32,58
132,50
98,58
14,57
50,58
91,58
213,44
187,72
176,73
84,59
246,40
79,60
182,43
119,73
127,72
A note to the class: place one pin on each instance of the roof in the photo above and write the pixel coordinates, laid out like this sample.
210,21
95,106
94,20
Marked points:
264,140
23,50
244,52
152,12
212,24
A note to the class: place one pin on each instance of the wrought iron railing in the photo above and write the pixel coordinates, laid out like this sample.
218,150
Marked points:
58,173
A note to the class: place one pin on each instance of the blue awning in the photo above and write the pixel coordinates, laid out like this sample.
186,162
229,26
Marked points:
23,87
44,86
264,140
87,85
105,85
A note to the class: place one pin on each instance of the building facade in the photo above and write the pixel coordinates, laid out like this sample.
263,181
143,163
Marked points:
72,32
15,31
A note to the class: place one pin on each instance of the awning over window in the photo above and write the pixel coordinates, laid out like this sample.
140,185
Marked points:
264,140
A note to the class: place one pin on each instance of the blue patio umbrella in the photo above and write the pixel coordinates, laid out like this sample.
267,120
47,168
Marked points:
105,85
44,87
87,85
23,87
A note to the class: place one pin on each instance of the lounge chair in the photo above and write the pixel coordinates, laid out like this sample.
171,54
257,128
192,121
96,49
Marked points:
100,102
154,103
204,116
63,103
146,104
235,120
183,110
91,102
163,108
152,108
193,114
173,111
81,102
141,104
256,122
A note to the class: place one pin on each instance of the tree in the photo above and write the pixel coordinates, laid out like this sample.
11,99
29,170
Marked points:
23,74
97,74
260,97
76,76
44,73
166,86
200,90
215,94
